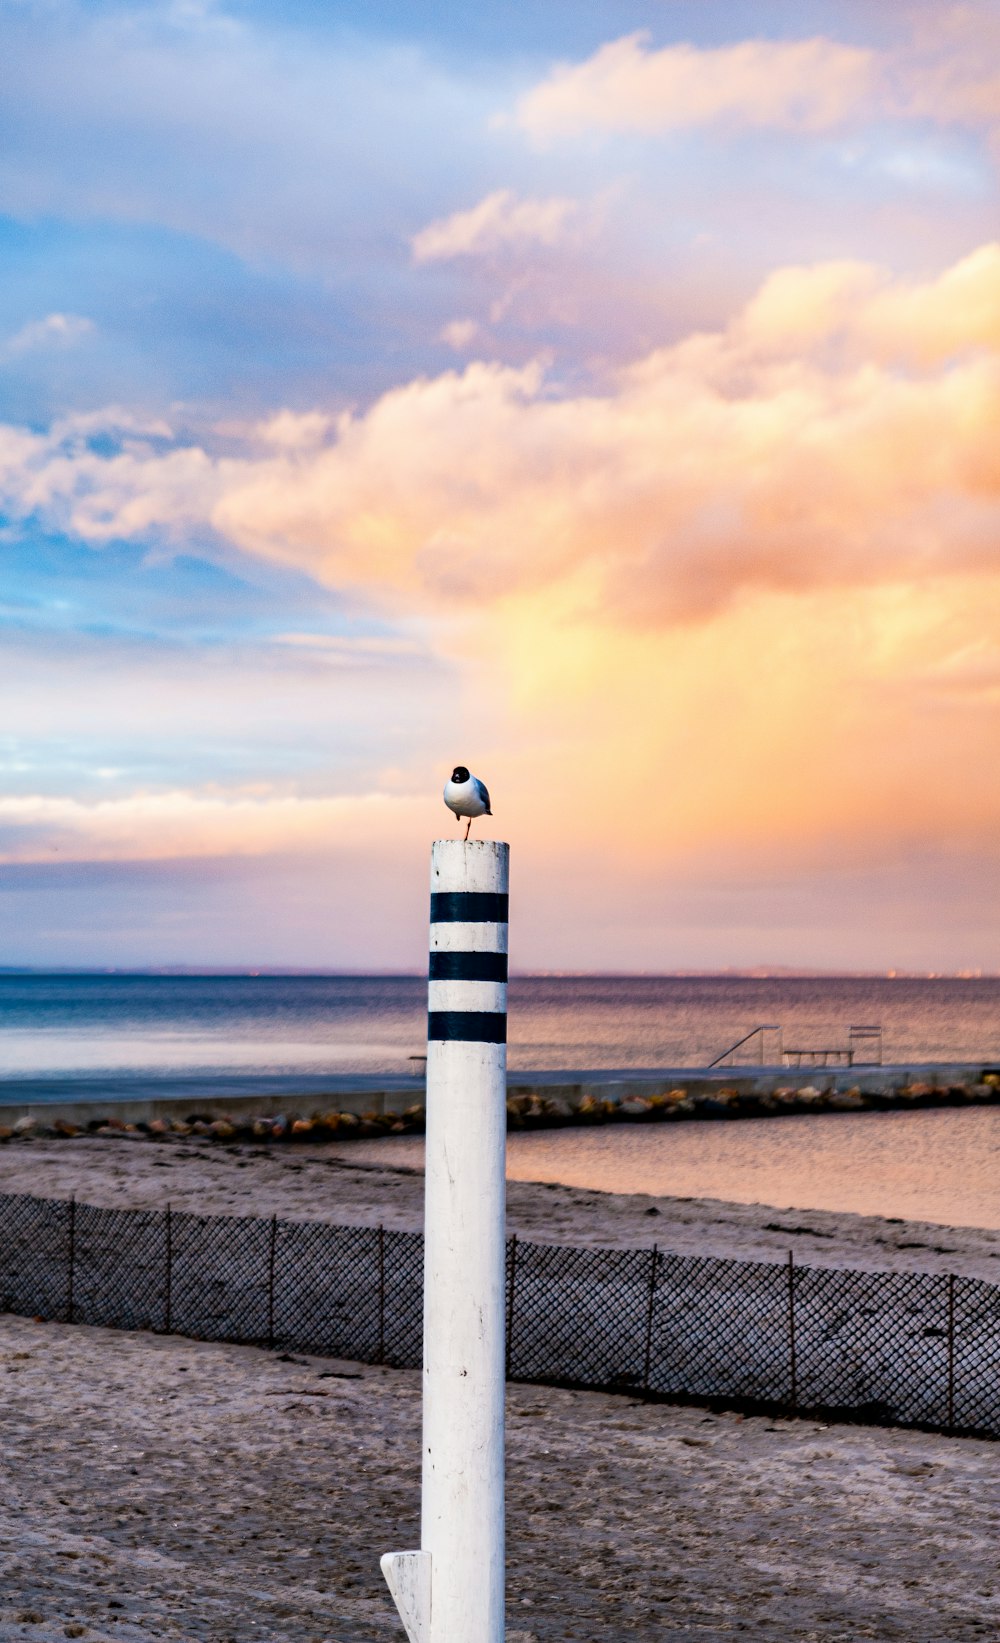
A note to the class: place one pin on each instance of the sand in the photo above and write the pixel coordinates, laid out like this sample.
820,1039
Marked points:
161,1488
333,1183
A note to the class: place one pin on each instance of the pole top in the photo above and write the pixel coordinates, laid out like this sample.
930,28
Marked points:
470,864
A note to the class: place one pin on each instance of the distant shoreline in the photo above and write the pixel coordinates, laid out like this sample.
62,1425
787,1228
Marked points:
194,972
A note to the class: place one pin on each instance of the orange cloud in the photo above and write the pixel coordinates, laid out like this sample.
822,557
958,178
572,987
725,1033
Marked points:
793,732
878,317
945,71
841,431
738,608
792,85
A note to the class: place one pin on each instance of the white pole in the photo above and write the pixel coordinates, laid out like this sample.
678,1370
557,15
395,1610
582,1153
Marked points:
452,1590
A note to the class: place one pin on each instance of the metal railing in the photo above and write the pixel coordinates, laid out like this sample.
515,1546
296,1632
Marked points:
815,1056
755,1032
866,1037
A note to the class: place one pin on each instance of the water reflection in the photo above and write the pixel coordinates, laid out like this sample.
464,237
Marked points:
940,1165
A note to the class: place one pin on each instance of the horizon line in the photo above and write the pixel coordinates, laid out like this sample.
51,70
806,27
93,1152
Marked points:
753,972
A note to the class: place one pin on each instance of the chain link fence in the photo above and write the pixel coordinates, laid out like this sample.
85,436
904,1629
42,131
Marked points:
892,1348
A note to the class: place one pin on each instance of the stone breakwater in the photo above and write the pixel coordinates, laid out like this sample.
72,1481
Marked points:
533,1109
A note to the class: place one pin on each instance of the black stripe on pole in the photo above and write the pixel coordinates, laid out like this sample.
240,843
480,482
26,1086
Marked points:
468,907
468,1026
468,967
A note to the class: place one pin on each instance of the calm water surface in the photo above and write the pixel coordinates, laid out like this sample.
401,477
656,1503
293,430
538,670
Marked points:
161,1028
939,1165
111,1035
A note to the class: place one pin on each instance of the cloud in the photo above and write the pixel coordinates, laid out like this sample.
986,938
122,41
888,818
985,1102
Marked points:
460,334
169,825
920,323
361,651
841,430
718,465
950,71
943,69
793,747
106,475
499,222
793,732
738,605
788,85
55,330
291,430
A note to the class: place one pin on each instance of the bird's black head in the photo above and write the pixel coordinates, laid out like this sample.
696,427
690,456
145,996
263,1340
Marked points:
460,774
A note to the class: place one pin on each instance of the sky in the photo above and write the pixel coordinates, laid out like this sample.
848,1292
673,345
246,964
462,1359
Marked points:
601,395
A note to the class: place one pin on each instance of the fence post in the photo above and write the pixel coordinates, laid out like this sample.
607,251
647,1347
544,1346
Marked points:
649,1318
71,1259
381,1294
511,1276
168,1297
951,1352
793,1367
272,1242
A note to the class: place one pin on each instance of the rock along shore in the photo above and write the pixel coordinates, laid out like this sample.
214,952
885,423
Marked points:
540,1101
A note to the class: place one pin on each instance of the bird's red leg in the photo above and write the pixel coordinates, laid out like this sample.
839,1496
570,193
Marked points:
467,826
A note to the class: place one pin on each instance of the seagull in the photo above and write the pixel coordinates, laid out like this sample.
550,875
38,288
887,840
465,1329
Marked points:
466,795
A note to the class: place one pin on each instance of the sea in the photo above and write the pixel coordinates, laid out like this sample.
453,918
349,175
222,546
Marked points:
116,1036
161,1031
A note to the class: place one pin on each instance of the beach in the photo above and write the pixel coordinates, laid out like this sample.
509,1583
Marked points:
160,1487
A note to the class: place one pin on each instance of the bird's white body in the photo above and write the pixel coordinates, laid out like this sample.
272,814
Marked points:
468,798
